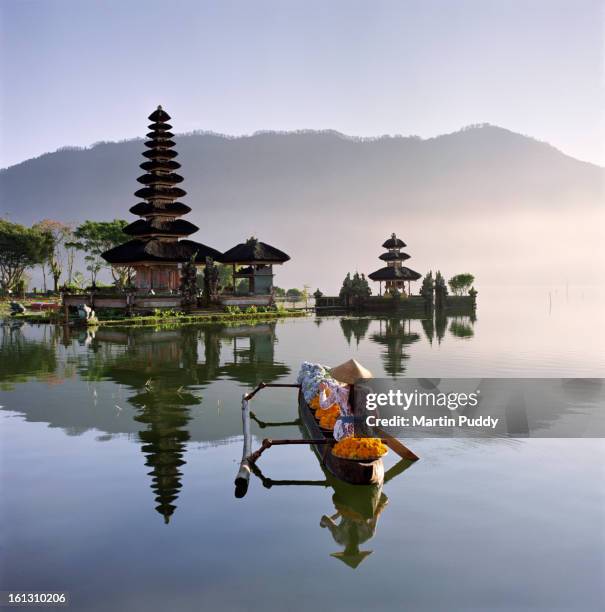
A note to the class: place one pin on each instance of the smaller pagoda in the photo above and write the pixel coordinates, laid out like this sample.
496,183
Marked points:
394,274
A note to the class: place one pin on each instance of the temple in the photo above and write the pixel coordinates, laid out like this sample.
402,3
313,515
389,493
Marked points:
158,248
394,274
252,263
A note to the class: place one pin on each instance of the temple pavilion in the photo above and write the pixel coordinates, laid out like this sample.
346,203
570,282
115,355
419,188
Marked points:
253,262
394,274
159,245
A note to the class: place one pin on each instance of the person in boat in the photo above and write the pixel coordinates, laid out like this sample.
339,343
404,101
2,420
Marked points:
339,390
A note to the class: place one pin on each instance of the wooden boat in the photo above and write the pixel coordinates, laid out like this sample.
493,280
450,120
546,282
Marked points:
349,470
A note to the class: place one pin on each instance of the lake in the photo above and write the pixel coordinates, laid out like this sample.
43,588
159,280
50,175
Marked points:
119,448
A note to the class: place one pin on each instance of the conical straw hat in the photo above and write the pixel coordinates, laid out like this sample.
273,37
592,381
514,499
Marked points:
350,371
352,559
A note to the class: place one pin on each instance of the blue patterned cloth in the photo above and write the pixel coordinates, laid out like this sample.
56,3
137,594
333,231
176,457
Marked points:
310,377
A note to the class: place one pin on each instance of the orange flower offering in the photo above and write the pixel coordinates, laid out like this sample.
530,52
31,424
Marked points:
314,403
360,448
321,412
327,421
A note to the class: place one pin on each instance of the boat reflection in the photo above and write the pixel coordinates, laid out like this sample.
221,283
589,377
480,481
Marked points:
357,509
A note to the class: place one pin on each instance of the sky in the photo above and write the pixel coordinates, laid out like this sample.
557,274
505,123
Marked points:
74,72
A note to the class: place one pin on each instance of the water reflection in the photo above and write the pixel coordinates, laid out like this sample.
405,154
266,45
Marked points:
354,519
357,512
159,375
354,328
21,359
462,326
395,335
164,369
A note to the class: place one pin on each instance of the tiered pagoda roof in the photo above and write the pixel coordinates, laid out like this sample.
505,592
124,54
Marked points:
394,271
158,232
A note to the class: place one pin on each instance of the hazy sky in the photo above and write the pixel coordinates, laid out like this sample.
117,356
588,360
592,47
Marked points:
77,71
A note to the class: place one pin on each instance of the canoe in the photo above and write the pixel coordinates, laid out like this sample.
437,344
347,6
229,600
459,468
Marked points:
349,470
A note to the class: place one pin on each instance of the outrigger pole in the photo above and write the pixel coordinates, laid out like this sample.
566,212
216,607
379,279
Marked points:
243,475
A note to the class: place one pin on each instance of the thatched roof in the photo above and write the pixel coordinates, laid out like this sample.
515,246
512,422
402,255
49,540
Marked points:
391,273
157,251
166,165
158,143
176,209
160,179
159,114
160,154
156,134
169,193
160,127
390,256
161,227
254,251
393,242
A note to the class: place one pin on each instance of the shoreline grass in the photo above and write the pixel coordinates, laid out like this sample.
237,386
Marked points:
54,318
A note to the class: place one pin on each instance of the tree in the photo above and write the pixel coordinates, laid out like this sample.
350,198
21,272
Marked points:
96,237
20,248
225,275
59,234
294,295
360,287
355,288
461,283
346,291
428,287
305,295
78,280
279,292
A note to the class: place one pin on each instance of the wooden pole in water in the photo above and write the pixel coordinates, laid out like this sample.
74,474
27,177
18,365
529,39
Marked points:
243,476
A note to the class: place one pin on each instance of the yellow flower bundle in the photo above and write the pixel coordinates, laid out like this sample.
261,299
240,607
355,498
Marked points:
360,448
327,421
314,403
333,409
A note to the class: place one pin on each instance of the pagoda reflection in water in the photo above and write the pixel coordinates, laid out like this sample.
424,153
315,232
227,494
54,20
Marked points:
167,372
395,335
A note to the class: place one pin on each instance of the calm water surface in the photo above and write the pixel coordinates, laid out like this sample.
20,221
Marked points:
119,449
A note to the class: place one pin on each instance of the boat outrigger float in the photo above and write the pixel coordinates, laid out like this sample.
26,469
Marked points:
353,471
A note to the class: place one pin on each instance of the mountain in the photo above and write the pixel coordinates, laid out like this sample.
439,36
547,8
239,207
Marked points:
477,200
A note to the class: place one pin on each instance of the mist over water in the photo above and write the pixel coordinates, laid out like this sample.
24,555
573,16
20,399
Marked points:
507,208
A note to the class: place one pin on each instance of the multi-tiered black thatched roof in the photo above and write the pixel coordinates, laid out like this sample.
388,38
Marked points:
394,271
159,230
